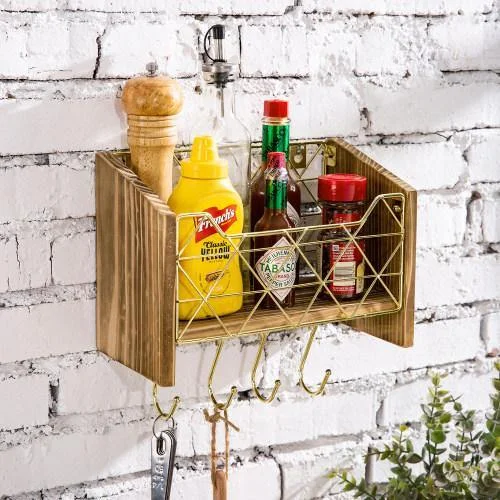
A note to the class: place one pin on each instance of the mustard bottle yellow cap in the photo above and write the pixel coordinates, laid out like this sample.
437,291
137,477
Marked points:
204,162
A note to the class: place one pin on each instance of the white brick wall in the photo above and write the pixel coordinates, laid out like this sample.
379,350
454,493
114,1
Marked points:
432,108
466,45
286,49
414,83
25,402
426,166
483,155
403,402
47,330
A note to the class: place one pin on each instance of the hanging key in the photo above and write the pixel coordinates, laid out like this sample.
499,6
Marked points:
163,447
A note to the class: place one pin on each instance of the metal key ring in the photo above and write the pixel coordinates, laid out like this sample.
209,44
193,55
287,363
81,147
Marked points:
169,429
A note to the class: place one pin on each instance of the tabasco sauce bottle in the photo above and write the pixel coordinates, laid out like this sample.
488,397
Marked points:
274,258
275,137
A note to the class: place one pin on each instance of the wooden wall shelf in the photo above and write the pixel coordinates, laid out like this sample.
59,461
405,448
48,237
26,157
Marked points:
137,264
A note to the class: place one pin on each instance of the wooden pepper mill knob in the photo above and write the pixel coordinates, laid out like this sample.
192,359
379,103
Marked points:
152,104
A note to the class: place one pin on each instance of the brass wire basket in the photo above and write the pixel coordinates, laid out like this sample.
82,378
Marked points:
315,303
140,260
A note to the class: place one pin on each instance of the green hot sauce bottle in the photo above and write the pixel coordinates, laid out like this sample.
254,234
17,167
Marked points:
275,138
274,258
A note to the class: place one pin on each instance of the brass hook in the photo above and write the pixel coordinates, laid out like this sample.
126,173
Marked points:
234,390
277,382
328,372
166,415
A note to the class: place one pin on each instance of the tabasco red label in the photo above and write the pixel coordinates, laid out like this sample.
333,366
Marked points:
224,218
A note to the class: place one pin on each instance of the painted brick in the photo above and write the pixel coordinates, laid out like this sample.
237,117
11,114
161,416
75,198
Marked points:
285,50
441,220
427,108
382,47
359,355
305,472
73,259
235,7
466,43
34,258
47,330
246,480
309,114
117,5
436,165
50,461
456,280
421,7
43,192
491,217
25,402
490,332
330,415
47,46
60,125
171,45
443,342
28,5
26,262
9,267
482,156
403,402
106,385
103,385
261,478
332,48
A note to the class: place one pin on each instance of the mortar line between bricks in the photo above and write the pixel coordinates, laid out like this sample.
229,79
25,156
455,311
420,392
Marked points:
34,222
372,139
61,424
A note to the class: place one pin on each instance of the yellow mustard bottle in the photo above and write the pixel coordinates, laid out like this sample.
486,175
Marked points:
208,262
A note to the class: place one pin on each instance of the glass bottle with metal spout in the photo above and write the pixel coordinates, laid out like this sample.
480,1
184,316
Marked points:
220,120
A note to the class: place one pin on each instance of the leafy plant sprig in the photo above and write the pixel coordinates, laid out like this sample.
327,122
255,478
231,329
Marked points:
467,467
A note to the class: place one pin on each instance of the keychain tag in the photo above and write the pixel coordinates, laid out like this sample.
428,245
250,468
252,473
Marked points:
163,447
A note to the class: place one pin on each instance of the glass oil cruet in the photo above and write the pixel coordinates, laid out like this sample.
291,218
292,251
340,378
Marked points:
219,120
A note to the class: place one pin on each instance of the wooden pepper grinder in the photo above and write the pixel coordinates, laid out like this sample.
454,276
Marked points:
152,104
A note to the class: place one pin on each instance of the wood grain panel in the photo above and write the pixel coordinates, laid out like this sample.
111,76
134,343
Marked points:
135,272
323,311
397,328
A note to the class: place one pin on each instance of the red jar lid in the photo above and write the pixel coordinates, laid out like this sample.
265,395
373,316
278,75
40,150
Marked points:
342,187
276,108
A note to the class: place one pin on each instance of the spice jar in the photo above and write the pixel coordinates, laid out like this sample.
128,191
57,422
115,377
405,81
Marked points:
342,197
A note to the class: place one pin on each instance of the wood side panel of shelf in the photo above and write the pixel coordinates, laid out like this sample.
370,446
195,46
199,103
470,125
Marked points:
135,272
397,327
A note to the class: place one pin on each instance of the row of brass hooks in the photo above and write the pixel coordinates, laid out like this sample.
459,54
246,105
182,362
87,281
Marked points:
167,415
277,382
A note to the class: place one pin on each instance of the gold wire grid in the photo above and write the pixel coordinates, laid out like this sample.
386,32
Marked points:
315,303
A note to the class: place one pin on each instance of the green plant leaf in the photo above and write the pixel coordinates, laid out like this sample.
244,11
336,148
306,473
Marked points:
414,458
445,418
349,486
438,436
